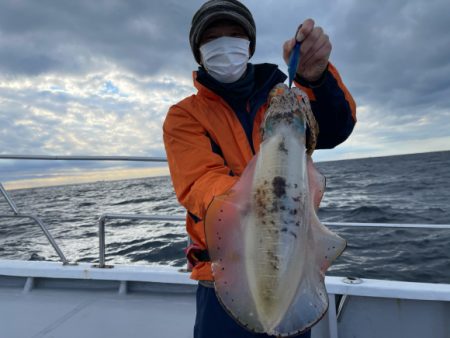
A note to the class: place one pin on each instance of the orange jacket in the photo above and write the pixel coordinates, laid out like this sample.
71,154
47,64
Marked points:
192,128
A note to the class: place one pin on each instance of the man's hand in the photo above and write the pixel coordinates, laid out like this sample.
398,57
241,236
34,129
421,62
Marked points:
314,51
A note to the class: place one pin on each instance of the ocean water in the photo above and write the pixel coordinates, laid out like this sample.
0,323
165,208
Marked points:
397,189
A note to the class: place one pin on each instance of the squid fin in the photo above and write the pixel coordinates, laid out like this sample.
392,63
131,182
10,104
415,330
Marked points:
224,229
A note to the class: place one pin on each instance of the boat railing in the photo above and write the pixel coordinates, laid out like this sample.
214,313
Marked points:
40,222
83,158
178,218
36,219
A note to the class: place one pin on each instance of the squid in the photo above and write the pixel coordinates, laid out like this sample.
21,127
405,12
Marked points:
268,248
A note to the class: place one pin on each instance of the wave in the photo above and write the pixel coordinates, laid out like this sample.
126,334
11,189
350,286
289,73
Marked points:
139,200
86,204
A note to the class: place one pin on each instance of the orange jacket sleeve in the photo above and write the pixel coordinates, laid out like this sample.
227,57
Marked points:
198,174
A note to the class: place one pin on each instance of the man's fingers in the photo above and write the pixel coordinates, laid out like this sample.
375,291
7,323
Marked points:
311,40
305,29
319,49
322,53
315,50
313,67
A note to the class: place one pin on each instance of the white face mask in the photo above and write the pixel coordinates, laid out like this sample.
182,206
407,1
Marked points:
225,58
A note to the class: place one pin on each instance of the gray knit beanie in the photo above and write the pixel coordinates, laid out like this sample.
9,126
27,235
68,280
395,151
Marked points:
214,10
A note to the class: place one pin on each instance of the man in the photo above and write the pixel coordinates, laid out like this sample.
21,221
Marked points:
211,136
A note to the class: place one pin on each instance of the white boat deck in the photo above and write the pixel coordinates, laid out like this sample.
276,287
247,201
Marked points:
49,300
83,302
75,314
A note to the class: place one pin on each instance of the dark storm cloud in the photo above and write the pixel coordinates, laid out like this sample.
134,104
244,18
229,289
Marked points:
146,37
397,53
394,54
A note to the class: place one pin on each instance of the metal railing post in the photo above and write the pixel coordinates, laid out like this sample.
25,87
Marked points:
34,218
101,239
8,199
332,320
46,233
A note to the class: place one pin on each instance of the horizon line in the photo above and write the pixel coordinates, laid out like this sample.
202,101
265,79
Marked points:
98,175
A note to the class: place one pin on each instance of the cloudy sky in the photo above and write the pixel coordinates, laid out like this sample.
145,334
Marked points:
97,77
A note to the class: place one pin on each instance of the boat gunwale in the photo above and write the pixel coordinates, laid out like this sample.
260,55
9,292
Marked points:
173,275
